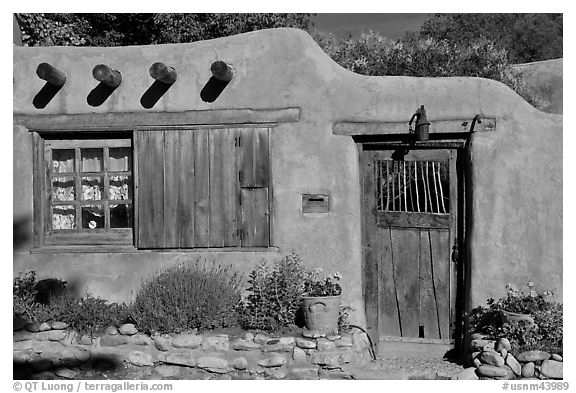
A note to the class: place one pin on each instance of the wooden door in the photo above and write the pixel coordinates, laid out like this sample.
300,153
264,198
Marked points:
409,230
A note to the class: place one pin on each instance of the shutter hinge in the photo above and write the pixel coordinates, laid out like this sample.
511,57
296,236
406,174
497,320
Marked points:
237,141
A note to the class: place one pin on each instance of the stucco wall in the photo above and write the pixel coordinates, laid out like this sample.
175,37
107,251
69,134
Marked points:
517,169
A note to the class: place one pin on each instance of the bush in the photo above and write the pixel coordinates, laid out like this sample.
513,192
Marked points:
188,296
545,334
32,299
275,294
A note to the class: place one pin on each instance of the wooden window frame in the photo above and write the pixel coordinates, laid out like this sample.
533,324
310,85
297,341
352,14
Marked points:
44,235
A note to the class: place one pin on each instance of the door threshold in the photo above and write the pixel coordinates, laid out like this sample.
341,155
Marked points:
417,349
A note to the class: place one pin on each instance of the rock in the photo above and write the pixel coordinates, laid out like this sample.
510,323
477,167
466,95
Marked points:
141,339
492,358
276,360
41,364
491,371
304,373
344,342
140,358
334,375
21,357
187,340
360,341
127,329
32,327
112,341
57,325
532,356
286,340
528,370
323,344
478,336
313,333
167,371
468,374
22,335
244,345
334,337
82,355
163,343
503,343
249,336
112,330
276,373
479,344
44,327
240,363
556,357
18,324
65,373
476,362
514,365
261,339
179,358
278,348
83,340
213,364
299,355
273,341
552,369
509,374
503,353
329,360
56,335
216,343
306,344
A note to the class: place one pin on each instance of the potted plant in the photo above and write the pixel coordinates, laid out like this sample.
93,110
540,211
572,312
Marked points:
321,300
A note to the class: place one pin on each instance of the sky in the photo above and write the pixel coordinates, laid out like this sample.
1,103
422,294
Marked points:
391,26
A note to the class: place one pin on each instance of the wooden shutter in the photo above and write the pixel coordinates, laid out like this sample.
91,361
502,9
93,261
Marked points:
203,188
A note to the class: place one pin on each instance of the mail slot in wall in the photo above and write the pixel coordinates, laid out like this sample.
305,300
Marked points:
315,203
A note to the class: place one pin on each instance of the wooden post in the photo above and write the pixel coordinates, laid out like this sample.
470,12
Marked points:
51,74
106,75
162,73
222,71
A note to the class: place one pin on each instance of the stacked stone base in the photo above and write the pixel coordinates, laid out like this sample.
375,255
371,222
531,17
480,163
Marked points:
492,359
313,355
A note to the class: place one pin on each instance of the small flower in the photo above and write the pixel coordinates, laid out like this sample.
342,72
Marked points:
533,294
530,284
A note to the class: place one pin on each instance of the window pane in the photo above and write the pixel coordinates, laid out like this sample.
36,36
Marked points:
92,188
120,159
120,216
92,217
63,160
63,189
119,188
92,160
63,217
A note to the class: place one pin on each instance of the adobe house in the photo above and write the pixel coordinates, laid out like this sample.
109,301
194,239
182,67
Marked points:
244,148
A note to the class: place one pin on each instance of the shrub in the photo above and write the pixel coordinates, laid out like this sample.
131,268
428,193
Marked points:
188,296
275,294
343,318
545,334
32,299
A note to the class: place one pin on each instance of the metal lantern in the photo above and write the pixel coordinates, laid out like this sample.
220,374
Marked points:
422,131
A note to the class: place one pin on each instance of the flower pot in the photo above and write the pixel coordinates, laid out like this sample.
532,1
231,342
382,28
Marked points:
321,312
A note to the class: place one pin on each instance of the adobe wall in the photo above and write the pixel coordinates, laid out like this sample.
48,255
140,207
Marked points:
517,171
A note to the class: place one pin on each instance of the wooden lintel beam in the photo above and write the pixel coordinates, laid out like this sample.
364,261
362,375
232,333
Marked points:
132,120
391,128
51,74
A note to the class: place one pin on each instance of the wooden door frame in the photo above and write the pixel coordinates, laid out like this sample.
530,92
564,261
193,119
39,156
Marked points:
458,268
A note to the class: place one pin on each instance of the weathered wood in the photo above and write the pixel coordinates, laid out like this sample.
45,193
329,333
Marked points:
51,74
428,314
118,236
38,189
202,189
172,170
216,189
231,196
405,265
254,157
413,220
388,308
162,73
186,191
123,121
390,128
440,258
255,228
222,71
107,75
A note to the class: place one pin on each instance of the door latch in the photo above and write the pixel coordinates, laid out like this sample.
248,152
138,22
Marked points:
455,253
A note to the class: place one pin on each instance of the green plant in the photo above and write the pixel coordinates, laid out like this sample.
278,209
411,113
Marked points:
343,318
317,284
545,334
274,294
186,296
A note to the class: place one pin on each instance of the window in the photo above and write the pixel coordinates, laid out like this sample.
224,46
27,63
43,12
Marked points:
88,196
175,188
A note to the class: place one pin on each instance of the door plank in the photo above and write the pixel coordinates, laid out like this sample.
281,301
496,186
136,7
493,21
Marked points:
428,302
254,157
171,190
255,230
388,311
144,189
186,194
216,185
440,256
202,189
405,264
231,197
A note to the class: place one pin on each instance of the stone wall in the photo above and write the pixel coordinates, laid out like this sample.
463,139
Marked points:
312,355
